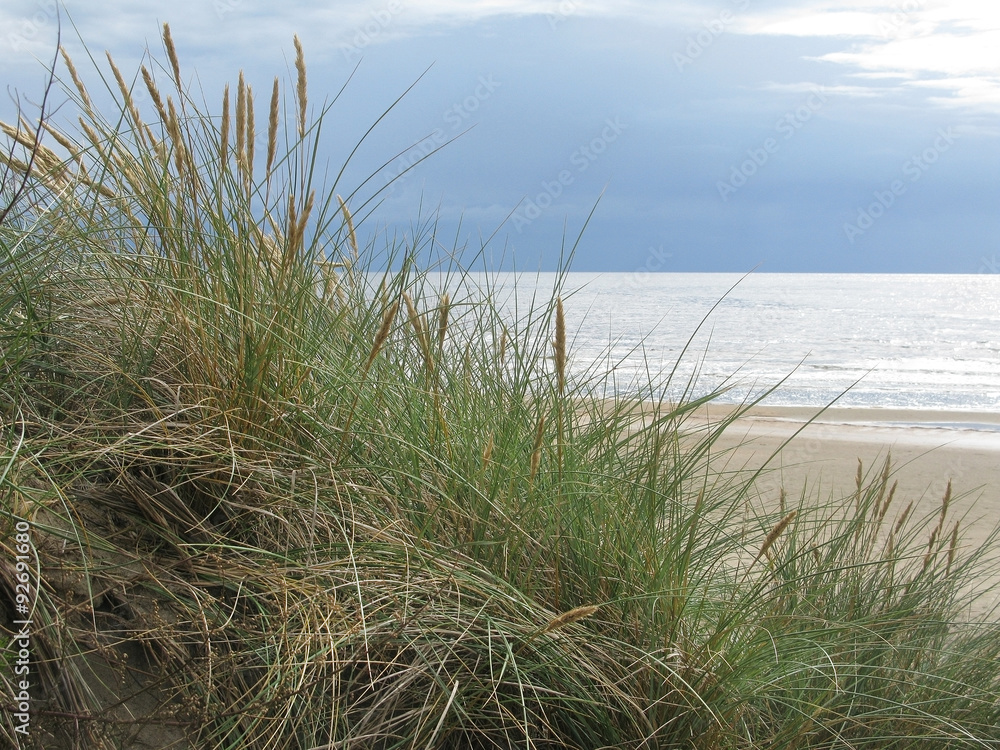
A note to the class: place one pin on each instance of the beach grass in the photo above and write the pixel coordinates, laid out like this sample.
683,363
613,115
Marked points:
288,488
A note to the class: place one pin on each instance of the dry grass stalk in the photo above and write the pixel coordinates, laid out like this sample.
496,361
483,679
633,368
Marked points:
76,78
154,94
888,501
224,128
24,136
774,534
536,451
383,333
443,311
62,140
174,131
568,618
168,42
95,140
502,346
272,129
883,484
300,88
488,452
293,239
902,519
423,334
349,221
126,93
241,123
560,346
251,141
14,163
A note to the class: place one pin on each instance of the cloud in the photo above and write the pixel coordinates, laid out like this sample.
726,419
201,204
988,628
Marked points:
947,49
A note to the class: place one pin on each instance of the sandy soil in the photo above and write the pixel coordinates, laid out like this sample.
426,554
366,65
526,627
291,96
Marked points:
928,449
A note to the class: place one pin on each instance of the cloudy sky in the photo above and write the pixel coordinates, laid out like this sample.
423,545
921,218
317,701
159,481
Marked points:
794,135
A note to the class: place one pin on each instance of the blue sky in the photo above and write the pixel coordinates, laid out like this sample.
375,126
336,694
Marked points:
789,136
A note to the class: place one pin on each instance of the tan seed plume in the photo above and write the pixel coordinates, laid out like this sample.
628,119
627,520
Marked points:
349,221
154,94
251,140
902,519
168,42
76,78
568,618
775,533
383,333
224,128
488,451
300,89
126,95
883,484
241,122
536,451
502,346
560,346
443,312
422,333
888,501
272,129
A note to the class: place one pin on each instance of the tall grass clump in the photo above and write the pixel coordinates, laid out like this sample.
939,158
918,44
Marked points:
288,489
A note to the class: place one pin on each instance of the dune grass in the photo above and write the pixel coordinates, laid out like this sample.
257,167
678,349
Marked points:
282,497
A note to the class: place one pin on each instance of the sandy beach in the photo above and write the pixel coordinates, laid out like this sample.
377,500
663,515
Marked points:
928,449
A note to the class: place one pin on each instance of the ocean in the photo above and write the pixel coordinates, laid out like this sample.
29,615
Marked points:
862,340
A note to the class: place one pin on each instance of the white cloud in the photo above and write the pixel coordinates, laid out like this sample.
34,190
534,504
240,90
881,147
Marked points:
948,47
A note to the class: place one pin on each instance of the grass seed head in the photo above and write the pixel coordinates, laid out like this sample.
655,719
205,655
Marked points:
168,42
300,88
560,346
224,127
775,533
154,94
443,311
349,222
76,78
568,618
272,128
383,333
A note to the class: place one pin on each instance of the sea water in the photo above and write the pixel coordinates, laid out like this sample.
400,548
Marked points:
861,340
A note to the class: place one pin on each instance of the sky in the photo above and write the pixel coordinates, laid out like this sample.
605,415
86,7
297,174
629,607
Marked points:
785,136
